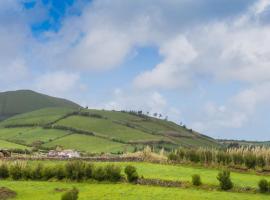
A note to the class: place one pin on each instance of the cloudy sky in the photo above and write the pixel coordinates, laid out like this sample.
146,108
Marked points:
205,63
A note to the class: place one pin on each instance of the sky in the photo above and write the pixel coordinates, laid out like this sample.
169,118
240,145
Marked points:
205,63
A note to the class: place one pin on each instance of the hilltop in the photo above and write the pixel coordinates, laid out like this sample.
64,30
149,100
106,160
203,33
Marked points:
22,101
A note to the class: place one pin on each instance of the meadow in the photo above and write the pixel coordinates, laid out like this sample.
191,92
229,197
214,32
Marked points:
118,191
180,172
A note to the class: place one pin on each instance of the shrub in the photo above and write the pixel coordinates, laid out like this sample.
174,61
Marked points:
263,186
75,170
37,172
172,157
250,161
27,172
48,173
261,161
99,173
60,172
71,194
89,168
113,173
4,173
225,180
196,180
131,173
15,170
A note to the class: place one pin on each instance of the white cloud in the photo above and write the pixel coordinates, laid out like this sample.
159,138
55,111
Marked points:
173,71
57,83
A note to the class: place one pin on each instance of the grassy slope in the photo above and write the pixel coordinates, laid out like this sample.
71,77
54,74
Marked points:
107,128
45,190
161,127
88,144
38,117
114,125
30,135
21,101
9,145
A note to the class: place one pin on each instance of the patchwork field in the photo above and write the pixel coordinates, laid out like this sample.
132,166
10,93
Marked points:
107,128
88,143
115,131
9,145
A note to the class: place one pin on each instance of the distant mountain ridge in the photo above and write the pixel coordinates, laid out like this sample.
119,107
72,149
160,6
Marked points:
22,101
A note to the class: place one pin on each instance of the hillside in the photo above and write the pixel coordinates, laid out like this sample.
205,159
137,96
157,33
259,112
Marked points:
21,101
97,131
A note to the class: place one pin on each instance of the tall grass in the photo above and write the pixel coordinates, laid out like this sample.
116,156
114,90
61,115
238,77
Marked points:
249,157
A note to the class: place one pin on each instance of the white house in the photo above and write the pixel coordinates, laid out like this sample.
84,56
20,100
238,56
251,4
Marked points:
64,154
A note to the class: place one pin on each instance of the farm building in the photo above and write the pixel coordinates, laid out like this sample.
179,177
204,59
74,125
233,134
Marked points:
64,154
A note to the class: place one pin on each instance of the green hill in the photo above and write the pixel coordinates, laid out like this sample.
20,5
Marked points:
97,131
22,101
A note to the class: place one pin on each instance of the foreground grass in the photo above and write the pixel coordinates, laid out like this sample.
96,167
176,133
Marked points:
181,173
101,191
184,173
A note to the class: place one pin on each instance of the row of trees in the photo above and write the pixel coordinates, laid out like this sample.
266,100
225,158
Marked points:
72,170
249,157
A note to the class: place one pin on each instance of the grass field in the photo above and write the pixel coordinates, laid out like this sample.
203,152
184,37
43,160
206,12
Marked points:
30,135
107,128
38,117
181,173
10,145
88,144
184,173
89,191
117,126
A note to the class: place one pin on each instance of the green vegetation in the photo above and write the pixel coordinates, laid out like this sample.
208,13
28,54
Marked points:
102,191
184,173
11,145
263,186
29,136
196,180
224,178
72,194
107,128
22,101
88,144
131,173
245,158
39,117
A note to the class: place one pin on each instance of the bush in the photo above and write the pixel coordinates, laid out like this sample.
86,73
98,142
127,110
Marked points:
15,171
71,194
261,162
172,157
89,168
263,186
250,161
131,173
196,180
99,174
225,180
37,172
60,172
113,173
4,173
27,172
48,173
75,170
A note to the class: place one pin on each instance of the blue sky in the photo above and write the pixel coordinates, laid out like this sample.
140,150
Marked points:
205,63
